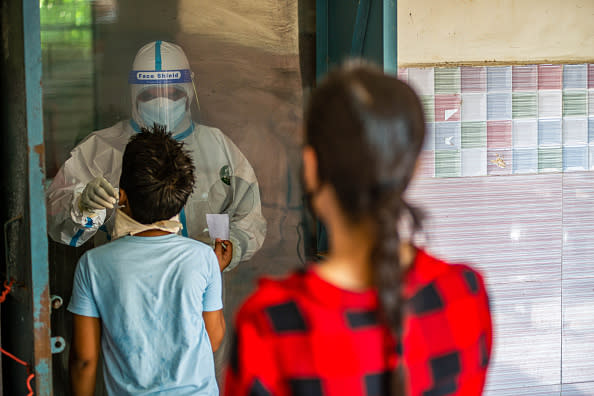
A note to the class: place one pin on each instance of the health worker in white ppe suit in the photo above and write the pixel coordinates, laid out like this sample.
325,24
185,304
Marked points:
82,196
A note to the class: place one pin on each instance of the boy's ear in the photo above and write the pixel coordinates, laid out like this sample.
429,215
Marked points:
123,197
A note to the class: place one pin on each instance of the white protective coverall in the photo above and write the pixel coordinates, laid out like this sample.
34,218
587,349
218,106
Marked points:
225,180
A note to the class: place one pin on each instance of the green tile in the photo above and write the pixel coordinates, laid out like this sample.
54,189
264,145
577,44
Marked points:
575,103
550,159
524,105
428,102
447,80
447,163
474,134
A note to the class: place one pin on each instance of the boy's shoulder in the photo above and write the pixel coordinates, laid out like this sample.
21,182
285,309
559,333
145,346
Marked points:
128,243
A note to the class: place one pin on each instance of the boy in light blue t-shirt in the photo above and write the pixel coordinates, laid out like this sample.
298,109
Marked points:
152,300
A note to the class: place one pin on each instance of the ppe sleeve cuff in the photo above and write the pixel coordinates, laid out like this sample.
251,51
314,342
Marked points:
88,219
236,254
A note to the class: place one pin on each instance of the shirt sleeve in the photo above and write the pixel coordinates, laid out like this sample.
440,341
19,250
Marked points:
82,301
253,368
212,299
456,358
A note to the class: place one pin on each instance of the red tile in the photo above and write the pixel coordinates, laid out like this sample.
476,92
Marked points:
447,107
474,79
499,134
524,78
550,76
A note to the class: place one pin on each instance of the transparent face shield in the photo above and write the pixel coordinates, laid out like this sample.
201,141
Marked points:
162,98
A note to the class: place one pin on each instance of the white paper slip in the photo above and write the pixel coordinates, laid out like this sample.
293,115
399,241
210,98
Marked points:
218,226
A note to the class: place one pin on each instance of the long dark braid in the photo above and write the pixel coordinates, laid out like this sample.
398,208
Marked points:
367,130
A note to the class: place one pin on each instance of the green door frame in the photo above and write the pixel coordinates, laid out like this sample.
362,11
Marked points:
42,353
26,310
340,22
349,28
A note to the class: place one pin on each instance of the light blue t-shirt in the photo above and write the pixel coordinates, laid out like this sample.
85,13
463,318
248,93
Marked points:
149,293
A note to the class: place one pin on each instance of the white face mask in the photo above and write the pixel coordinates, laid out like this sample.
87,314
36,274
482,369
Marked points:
163,111
125,225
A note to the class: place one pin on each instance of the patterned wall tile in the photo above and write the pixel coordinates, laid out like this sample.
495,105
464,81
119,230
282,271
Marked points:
544,390
447,107
550,103
575,103
499,106
577,389
447,135
575,76
550,132
524,105
499,78
447,80
422,81
528,328
426,167
525,133
447,163
473,79
403,74
429,143
522,115
428,102
474,107
575,158
575,131
578,330
525,160
578,225
524,78
499,134
550,159
550,76
474,135
511,227
499,161
474,162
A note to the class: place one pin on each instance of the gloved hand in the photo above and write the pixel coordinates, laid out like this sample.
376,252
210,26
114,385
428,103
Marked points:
98,194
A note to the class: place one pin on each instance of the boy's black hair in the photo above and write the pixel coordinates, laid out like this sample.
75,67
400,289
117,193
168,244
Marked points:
157,175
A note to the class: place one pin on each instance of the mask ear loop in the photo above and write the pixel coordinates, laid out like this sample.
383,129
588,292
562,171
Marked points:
195,93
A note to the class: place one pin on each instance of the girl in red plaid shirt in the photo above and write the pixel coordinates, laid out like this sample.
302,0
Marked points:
378,316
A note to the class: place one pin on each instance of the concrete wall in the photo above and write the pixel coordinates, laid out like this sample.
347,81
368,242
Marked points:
486,31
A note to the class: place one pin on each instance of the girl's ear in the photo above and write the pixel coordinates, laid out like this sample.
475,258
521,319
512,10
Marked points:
310,169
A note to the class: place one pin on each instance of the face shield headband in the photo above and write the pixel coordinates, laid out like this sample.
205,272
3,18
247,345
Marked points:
162,97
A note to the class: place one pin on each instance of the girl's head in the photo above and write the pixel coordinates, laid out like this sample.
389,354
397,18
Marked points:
366,130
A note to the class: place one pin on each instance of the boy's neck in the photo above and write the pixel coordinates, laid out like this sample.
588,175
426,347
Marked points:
152,233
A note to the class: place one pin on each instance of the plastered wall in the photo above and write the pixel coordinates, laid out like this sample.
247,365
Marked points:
495,31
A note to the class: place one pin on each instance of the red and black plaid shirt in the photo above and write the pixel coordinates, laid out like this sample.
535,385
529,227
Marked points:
302,336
